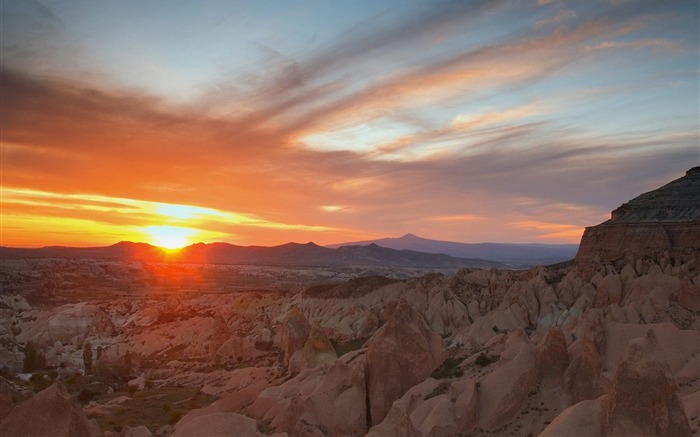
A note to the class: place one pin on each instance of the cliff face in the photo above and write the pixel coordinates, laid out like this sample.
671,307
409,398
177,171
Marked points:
663,219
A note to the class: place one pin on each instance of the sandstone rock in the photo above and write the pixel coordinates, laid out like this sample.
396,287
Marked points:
689,296
71,323
580,420
220,334
401,353
665,218
423,411
137,431
48,413
119,359
691,403
681,348
242,388
293,333
235,350
144,317
219,425
609,291
331,397
503,391
398,421
582,377
164,430
191,338
436,417
466,396
551,354
317,349
138,383
643,397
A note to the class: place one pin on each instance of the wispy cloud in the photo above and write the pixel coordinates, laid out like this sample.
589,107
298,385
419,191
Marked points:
439,123
657,44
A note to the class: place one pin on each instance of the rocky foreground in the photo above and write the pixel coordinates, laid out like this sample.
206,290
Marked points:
591,348
608,344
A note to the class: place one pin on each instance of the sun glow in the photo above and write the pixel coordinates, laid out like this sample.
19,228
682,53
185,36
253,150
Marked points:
170,237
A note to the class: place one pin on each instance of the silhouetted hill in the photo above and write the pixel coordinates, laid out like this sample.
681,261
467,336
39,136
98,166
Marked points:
514,255
290,254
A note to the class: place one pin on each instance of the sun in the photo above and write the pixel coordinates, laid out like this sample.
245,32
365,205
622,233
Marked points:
170,237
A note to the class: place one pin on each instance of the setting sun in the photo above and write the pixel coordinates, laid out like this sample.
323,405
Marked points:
170,237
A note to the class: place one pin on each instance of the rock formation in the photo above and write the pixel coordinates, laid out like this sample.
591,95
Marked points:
643,398
317,349
295,330
48,413
326,400
219,425
606,345
402,353
662,219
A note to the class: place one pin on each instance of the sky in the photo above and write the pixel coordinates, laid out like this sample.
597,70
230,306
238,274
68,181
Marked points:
263,122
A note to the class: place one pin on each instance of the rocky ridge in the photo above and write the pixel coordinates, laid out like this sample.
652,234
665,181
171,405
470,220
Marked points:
662,219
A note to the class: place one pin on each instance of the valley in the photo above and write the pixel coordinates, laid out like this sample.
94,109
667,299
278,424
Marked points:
606,344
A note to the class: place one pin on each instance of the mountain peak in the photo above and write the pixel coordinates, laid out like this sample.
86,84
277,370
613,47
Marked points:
409,236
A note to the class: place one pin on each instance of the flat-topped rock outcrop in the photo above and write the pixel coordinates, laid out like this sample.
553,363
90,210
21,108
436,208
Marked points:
667,218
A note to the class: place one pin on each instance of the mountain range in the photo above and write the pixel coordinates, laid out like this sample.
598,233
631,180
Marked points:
290,254
512,255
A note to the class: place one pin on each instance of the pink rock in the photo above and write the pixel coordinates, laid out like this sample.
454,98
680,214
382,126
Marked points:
317,349
551,354
583,376
219,425
580,420
503,391
331,397
48,413
294,331
402,353
643,398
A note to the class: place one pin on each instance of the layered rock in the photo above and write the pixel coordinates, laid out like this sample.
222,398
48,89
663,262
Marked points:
70,323
662,219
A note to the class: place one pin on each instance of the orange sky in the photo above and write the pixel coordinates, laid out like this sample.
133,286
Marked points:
468,121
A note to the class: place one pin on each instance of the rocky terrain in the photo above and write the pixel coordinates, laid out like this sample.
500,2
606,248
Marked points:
602,345
665,218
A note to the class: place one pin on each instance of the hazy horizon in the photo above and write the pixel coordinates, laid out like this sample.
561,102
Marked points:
330,121
286,242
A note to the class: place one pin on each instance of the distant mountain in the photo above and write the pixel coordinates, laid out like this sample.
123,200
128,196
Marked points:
513,255
290,254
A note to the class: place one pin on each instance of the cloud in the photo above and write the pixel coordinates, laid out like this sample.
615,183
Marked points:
657,44
128,147
481,138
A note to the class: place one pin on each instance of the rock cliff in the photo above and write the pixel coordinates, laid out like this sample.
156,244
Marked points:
667,218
